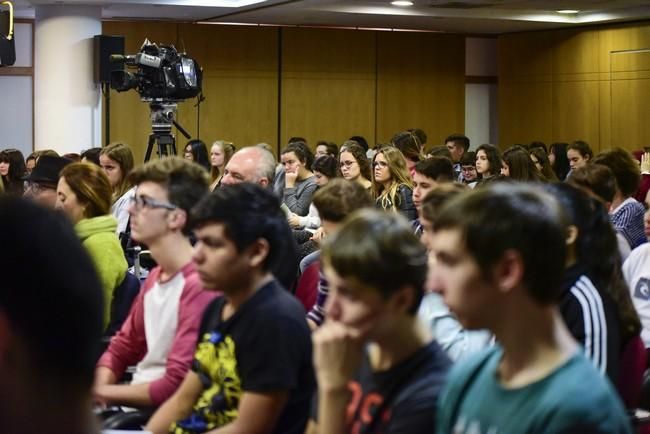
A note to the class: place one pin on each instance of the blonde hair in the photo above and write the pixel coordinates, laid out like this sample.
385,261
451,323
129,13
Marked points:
122,155
388,198
91,186
228,149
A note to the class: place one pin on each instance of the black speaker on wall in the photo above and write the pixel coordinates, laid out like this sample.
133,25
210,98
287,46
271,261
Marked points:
104,47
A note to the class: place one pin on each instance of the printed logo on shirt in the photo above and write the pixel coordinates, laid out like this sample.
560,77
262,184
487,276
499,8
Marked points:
362,410
642,289
216,365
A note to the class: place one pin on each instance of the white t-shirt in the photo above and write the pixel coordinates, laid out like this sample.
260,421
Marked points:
636,271
160,323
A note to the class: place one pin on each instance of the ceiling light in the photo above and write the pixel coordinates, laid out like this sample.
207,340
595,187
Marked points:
401,3
567,11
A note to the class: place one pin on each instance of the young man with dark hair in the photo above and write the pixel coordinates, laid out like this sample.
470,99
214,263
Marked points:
252,370
457,144
334,202
428,175
51,310
160,332
469,175
503,246
378,369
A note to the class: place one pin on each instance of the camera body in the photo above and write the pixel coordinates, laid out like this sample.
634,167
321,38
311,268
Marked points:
162,74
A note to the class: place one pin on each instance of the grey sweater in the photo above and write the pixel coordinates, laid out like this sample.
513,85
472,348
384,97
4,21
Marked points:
299,197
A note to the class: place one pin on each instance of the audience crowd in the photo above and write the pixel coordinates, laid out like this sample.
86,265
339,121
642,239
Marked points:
395,288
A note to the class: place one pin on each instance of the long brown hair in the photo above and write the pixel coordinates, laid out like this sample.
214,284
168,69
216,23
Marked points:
122,155
91,186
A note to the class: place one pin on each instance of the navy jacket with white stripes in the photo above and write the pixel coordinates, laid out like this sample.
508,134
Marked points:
593,320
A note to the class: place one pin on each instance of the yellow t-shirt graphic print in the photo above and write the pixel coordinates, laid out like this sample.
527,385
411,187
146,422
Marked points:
216,365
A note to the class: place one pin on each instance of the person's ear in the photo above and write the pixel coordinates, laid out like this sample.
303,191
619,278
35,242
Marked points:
508,272
258,252
264,182
177,219
571,235
402,300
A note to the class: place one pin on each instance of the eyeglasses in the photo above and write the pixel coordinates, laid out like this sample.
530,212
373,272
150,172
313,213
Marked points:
140,202
37,188
348,163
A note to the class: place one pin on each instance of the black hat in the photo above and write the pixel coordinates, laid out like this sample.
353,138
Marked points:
47,169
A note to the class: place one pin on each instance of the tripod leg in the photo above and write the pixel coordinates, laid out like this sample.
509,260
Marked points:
147,155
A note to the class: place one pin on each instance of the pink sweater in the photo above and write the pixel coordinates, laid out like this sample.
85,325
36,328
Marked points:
164,357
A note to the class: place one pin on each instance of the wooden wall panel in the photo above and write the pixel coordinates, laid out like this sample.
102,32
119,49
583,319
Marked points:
575,53
420,84
522,114
328,84
599,86
240,66
630,112
525,55
575,112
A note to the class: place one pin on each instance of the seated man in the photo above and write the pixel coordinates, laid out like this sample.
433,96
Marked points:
378,369
252,371
334,202
500,257
51,310
42,181
161,330
428,175
256,165
457,342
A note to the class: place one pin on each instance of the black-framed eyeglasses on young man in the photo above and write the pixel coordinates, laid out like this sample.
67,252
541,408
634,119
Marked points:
140,202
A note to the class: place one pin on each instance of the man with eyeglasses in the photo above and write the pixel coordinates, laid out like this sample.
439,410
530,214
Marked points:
468,167
161,330
40,184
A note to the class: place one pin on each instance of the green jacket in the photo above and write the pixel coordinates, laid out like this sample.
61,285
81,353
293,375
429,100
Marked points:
97,234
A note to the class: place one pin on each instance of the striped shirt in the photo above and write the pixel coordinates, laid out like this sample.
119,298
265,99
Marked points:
627,219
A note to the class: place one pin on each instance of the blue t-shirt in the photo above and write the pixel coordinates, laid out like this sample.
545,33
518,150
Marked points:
574,398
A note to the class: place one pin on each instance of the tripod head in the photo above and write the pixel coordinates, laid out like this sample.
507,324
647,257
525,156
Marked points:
163,117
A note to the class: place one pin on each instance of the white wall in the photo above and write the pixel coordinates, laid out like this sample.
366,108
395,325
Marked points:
16,108
481,116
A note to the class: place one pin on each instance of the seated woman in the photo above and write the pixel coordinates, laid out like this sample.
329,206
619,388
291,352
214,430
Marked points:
325,168
196,151
518,166
354,165
595,304
305,228
12,170
299,181
220,154
116,160
391,184
408,143
84,195
488,162
542,164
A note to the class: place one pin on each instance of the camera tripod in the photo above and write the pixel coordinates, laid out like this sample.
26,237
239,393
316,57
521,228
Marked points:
163,116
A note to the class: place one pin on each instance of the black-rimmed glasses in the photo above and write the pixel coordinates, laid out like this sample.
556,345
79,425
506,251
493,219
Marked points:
140,202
